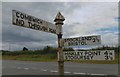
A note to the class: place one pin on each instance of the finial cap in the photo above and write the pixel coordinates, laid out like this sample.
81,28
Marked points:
59,17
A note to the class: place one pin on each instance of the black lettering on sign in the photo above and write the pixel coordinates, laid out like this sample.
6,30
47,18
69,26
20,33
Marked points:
98,52
110,53
83,43
33,26
95,53
26,17
17,14
66,53
44,28
89,38
22,16
69,44
81,53
19,22
52,30
66,57
29,23
111,58
82,38
81,57
76,39
70,39
106,53
86,57
106,57
94,39
89,53
97,39
76,43
91,57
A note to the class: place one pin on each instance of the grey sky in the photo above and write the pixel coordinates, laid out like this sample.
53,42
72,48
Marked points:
82,18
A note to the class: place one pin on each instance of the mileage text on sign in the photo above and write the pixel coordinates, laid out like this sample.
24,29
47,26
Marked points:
86,40
89,55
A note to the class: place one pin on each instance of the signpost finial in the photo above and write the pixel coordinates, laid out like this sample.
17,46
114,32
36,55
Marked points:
59,17
59,22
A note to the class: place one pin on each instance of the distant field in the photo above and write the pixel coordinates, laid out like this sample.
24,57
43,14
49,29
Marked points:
48,57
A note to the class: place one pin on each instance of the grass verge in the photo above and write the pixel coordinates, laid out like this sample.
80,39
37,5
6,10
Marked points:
45,58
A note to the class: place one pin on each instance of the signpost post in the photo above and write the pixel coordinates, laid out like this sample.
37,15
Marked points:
59,22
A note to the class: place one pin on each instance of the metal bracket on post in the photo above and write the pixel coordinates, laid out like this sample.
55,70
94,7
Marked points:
59,22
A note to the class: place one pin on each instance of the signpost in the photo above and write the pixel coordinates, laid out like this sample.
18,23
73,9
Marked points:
59,22
86,40
25,20
89,55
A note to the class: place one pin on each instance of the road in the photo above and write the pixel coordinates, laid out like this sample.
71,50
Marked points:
12,67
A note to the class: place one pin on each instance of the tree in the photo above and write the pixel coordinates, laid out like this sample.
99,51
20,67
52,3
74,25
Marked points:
49,49
25,49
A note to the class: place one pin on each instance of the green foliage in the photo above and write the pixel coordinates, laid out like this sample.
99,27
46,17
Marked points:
45,50
47,54
107,48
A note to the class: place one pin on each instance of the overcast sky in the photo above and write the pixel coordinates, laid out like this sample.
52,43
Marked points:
81,19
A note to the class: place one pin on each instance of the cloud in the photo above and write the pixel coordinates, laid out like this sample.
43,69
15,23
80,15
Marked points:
0,26
81,18
110,39
17,35
88,18
61,1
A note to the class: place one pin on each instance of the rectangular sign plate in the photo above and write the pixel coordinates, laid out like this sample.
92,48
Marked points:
25,20
86,40
89,55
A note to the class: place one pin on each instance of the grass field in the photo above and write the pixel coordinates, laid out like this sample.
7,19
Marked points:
47,57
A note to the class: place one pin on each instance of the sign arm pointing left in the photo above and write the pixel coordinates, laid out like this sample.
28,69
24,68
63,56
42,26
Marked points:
25,20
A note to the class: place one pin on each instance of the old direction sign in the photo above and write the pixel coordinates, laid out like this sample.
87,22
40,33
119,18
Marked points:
86,40
90,55
25,20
